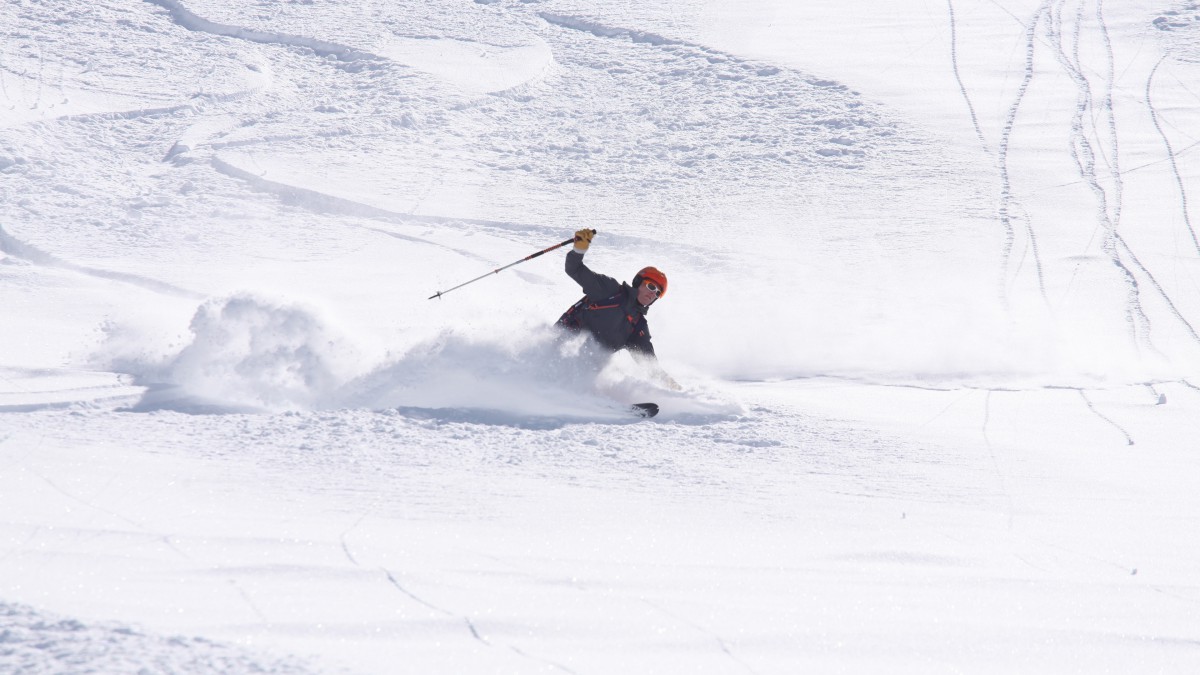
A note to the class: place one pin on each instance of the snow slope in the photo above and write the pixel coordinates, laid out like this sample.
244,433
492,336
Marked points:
933,303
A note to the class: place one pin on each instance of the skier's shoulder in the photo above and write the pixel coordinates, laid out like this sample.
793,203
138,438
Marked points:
594,284
613,296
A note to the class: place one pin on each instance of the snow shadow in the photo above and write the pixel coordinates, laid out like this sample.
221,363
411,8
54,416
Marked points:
507,418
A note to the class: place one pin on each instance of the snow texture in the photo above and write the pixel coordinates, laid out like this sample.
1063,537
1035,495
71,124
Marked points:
934,309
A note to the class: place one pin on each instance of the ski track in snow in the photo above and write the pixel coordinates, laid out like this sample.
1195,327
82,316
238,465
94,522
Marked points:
958,77
722,643
1000,474
164,539
81,92
1092,407
1183,197
1162,292
191,21
322,203
1083,128
1084,156
395,584
12,246
470,625
1007,202
1113,156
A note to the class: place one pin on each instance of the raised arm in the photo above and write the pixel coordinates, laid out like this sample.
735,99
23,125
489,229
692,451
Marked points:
595,286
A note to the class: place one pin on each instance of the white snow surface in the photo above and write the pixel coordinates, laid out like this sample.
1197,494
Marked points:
934,305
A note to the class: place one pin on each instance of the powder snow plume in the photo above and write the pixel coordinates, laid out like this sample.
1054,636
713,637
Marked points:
248,354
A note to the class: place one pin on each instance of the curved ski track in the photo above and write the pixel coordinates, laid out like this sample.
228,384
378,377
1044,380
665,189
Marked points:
1171,155
466,620
962,87
189,20
14,247
1092,119
1006,202
1110,116
1084,156
1092,407
322,202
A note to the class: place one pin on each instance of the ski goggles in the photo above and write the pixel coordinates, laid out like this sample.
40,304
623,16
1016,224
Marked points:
652,287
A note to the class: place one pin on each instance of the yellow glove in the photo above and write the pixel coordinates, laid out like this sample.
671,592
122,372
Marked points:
583,239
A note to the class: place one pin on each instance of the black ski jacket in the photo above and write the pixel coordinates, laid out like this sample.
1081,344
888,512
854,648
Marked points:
609,310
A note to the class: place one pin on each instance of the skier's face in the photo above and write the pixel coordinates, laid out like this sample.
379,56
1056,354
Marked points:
647,293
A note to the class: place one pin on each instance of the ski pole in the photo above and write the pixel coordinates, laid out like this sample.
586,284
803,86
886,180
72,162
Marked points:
501,269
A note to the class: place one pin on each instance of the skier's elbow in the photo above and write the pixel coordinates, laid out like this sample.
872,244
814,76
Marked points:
572,262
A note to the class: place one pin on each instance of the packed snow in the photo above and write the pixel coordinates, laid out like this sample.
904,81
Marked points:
934,306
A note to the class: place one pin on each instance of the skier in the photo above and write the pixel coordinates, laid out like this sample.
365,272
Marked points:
614,312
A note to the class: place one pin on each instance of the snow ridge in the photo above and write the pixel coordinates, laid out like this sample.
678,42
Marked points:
321,202
189,20
16,248
599,30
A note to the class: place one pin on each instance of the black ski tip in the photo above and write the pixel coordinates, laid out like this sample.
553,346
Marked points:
644,409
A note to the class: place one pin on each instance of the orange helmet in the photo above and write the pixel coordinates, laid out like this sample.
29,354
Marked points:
651,274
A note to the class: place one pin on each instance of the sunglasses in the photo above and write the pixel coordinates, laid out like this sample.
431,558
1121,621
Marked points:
652,287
